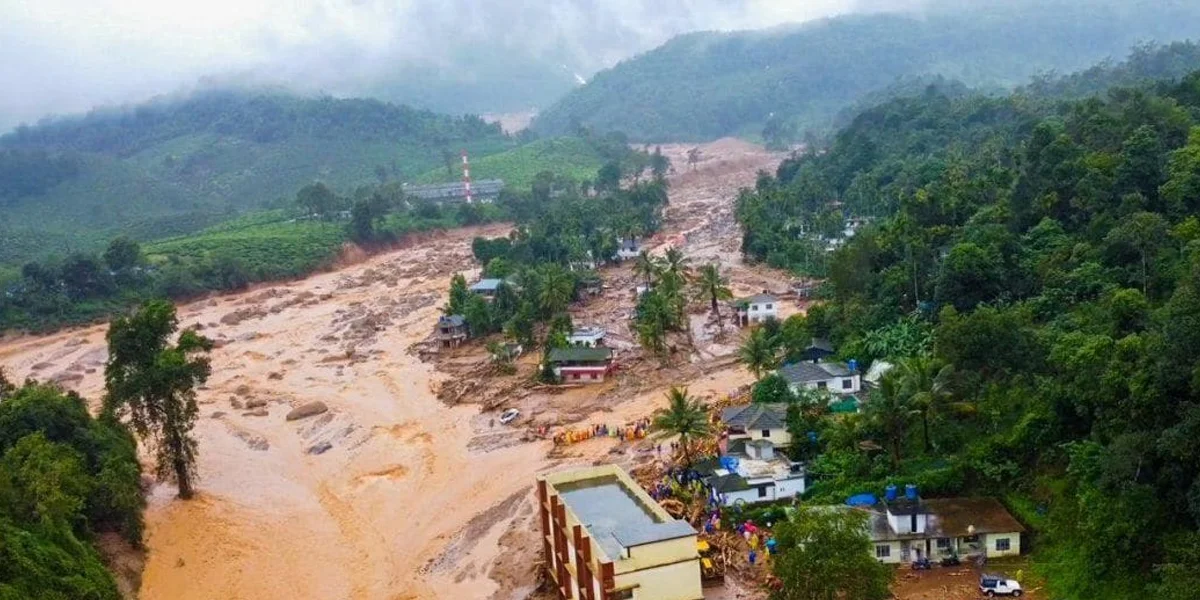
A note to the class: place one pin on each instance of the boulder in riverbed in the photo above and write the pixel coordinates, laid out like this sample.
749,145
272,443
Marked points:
304,411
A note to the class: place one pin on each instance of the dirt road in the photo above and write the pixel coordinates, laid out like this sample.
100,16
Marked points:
391,494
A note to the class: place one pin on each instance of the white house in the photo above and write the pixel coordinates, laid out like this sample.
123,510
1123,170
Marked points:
907,528
756,309
753,471
835,378
589,337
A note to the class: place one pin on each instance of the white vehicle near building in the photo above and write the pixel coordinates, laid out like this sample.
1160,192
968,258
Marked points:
996,585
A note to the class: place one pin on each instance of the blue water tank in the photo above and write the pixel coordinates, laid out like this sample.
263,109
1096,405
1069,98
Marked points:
729,463
853,363
910,491
861,500
890,493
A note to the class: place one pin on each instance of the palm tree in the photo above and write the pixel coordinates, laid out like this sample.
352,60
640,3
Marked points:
555,289
711,285
890,412
926,383
685,417
645,267
674,265
758,353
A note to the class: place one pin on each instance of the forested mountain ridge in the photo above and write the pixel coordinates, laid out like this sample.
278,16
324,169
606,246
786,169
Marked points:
178,165
707,85
1049,254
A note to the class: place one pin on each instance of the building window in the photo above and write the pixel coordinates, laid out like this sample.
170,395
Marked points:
766,433
822,385
762,492
1003,545
768,307
575,376
593,375
883,551
847,384
943,543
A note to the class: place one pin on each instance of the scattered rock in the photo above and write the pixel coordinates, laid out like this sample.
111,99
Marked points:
319,448
179,563
304,411
242,390
275,375
41,366
249,336
255,403
235,403
218,414
260,412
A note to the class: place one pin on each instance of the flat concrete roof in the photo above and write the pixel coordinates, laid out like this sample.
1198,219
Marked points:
615,517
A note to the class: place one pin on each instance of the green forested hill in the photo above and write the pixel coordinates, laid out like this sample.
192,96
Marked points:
1032,268
706,85
171,167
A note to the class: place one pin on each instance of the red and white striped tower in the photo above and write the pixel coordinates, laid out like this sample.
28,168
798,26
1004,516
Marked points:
466,176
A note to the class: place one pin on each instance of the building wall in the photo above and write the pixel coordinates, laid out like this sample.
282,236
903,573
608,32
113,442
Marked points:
786,488
680,581
667,570
568,374
891,559
834,385
1014,544
779,437
758,313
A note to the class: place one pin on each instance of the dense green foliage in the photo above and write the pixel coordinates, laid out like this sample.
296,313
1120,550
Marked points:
826,554
64,477
547,261
1032,270
264,246
571,157
177,166
707,85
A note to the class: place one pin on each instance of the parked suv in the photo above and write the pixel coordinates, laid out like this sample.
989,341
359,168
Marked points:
995,585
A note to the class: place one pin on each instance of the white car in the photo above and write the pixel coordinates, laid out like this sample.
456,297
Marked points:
996,585
509,415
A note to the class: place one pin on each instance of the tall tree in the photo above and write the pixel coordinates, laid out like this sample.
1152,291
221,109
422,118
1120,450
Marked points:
1145,232
891,413
153,383
685,417
645,267
711,285
926,382
758,353
826,554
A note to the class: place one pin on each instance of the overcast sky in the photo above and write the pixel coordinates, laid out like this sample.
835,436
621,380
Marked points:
67,56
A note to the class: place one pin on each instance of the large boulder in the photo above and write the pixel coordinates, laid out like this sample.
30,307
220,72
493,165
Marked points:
305,411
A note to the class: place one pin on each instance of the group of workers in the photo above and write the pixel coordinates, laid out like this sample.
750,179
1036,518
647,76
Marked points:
631,432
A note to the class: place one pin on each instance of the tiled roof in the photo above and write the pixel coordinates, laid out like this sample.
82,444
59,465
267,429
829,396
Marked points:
948,518
728,483
803,372
451,321
580,354
756,416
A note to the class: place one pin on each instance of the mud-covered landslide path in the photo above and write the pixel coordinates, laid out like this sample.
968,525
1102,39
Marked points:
383,497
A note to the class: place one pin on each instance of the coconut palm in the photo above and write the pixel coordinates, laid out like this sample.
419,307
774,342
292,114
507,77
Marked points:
685,417
758,353
926,383
712,286
645,267
891,413
555,289
674,265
